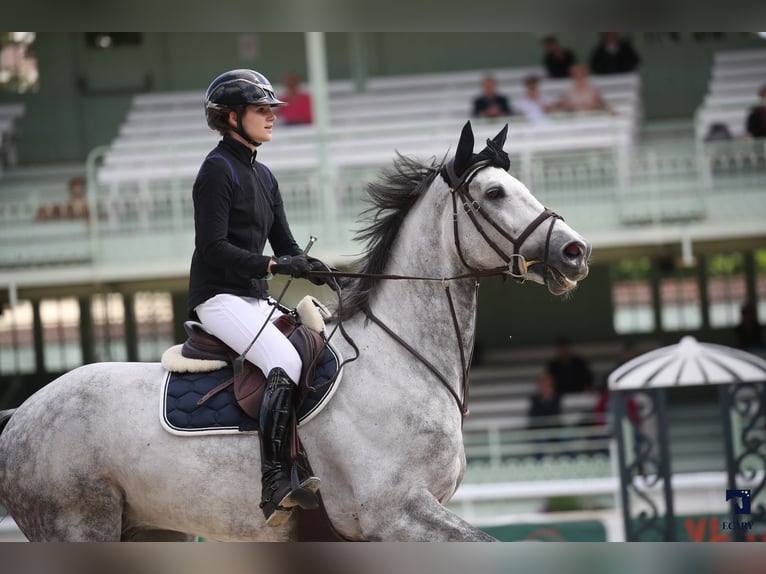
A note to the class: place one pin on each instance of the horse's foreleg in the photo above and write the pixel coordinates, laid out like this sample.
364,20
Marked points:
417,517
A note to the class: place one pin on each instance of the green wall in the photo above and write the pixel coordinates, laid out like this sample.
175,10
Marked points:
512,315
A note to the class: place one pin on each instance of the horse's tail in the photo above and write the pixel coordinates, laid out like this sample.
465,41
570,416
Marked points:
5,416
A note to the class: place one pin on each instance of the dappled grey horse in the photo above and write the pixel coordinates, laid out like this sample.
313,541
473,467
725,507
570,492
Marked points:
85,458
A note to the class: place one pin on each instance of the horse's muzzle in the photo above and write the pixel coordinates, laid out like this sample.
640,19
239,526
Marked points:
574,259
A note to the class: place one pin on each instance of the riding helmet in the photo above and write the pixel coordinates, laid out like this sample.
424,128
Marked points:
232,91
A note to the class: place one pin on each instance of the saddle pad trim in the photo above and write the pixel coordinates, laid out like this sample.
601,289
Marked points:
307,417
168,426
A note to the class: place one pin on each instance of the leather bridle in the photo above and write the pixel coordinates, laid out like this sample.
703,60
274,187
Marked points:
516,264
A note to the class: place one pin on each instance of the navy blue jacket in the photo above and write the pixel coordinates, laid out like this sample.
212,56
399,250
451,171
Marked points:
237,207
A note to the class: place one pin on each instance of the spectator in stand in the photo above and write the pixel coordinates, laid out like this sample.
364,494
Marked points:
749,332
603,406
718,132
613,55
534,106
582,96
545,411
297,109
77,206
601,409
50,212
490,104
756,119
571,372
558,60
545,403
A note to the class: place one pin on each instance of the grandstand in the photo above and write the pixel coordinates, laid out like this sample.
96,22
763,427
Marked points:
640,187
735,79
162,137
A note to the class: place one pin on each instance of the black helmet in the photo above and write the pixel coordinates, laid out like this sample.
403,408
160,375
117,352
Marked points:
232,91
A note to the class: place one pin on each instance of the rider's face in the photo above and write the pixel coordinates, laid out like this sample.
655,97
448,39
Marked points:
258,122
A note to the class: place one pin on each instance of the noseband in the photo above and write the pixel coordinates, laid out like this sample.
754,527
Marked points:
516,265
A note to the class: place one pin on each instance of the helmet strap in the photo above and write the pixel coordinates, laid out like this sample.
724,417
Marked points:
240,129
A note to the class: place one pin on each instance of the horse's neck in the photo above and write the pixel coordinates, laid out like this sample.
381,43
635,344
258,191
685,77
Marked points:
419,311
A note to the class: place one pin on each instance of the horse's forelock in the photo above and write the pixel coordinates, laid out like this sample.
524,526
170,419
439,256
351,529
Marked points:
495,153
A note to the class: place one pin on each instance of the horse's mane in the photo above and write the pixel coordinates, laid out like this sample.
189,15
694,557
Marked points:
391,198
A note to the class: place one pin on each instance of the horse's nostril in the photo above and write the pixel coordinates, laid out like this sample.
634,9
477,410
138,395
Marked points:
573,250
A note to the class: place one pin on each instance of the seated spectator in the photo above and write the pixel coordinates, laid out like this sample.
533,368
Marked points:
50,212
602,408
582,96
77,206
298,108
613,55
756,119
749,331
533,105
545,403
545,412
571,373
490,104
558,60
718,132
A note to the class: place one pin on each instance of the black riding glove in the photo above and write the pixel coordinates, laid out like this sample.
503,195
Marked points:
293,265
317,265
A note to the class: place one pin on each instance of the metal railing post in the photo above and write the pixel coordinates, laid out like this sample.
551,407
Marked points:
91,195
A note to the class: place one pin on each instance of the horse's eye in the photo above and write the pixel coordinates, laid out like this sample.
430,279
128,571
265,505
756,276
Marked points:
495,192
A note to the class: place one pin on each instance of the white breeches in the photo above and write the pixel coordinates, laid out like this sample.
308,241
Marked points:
235,320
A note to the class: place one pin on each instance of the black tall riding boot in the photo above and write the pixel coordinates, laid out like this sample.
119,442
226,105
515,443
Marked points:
278,492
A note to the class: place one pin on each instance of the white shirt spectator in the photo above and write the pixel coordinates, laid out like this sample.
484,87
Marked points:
533,110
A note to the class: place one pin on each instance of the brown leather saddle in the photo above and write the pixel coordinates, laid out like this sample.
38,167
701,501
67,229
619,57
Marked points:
249,384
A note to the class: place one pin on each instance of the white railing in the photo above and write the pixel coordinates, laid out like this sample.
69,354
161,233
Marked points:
613,190
520,502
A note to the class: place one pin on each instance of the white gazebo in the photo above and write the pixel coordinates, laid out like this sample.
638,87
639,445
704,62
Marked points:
644,456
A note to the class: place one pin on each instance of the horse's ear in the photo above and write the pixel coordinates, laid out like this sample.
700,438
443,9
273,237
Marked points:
464,151
499,139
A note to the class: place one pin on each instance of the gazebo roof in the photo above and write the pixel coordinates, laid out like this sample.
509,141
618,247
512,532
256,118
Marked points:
688,363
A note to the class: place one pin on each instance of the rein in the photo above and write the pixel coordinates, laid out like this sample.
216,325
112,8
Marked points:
516,265
462,403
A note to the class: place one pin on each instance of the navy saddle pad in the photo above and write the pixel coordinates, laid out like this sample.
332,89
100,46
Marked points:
221,413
